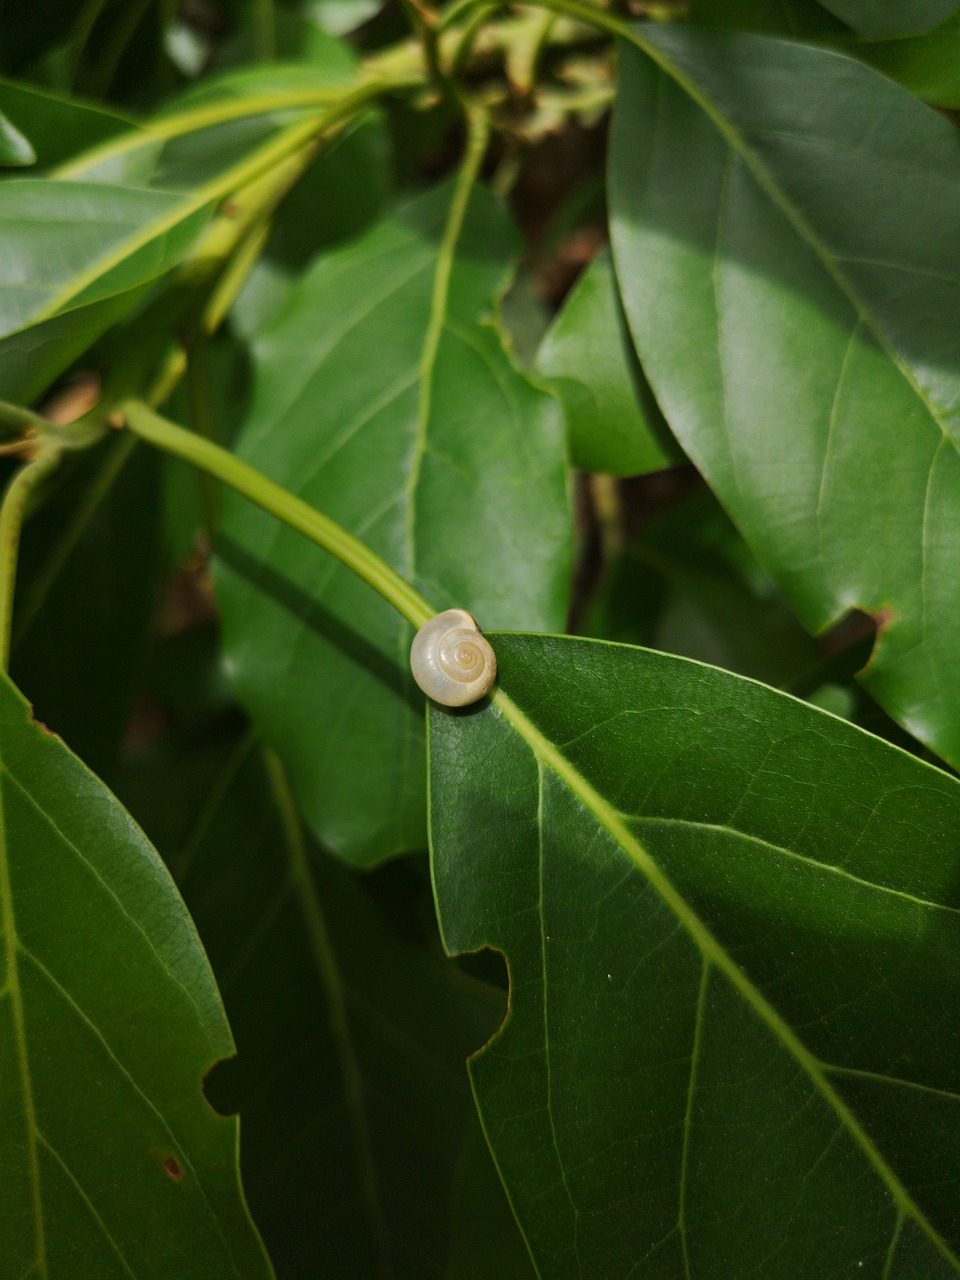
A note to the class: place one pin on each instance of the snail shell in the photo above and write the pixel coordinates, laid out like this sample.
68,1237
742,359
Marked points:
451,661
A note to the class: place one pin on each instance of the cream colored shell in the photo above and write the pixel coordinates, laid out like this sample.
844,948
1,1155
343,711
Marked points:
451,661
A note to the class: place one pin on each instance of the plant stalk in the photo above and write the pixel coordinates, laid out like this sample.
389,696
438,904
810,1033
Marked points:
15,420
276,500
12,511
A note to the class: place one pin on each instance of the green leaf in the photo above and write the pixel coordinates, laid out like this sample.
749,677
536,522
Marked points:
383,396
485,1239
88,586
929,65
114,1165
342,193
731,923
352,1030
891,17
613,422
77,257
688,585
334,63
217,124
58,128
789,268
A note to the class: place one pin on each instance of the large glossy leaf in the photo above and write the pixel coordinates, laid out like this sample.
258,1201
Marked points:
786,227
352,1031
113,1164
76,258
732,927
613,422
390,404
928,64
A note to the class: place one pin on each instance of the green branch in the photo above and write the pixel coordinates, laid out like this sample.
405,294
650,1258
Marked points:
12,510
15,420
273,498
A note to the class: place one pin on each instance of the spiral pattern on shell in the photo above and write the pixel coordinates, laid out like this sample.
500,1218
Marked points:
451,660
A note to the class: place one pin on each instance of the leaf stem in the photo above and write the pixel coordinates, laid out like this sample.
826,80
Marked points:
273,498
15,420
12,511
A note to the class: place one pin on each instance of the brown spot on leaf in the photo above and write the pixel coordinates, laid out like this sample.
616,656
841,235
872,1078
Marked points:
882,618
39,724
171,1167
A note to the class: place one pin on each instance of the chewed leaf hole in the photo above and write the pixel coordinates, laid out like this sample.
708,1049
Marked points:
490,966
223,1087
38,724
855,633
487,964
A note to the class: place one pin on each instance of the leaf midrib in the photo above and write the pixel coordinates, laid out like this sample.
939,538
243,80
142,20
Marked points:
115,257
436,320
713,953
237,175
176,125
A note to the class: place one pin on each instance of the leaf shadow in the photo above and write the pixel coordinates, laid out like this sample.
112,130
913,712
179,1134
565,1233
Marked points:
321,620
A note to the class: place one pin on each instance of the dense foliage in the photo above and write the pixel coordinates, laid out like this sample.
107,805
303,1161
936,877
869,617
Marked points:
633,330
